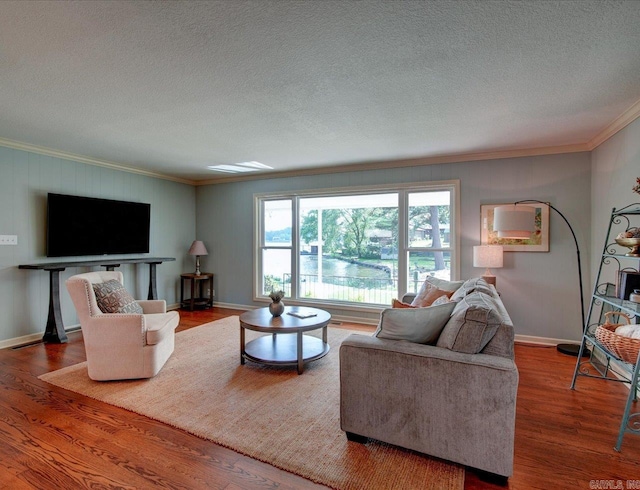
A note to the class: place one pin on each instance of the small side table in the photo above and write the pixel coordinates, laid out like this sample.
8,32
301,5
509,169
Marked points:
197,298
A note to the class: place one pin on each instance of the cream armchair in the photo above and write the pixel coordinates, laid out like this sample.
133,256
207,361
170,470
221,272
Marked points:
122,345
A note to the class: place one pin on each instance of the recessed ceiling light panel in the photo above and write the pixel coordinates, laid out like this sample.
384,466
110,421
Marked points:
240,167
257,165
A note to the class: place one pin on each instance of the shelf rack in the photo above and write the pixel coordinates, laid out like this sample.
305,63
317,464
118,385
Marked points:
604,299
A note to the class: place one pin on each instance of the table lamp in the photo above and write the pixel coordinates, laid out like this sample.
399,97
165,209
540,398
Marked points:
490,257
198,249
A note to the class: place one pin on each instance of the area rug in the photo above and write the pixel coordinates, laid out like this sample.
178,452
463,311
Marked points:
271,414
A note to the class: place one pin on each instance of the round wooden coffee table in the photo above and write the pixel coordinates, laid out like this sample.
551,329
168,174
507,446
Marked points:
287,345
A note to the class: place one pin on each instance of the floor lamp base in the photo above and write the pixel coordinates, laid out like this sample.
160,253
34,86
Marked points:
572,350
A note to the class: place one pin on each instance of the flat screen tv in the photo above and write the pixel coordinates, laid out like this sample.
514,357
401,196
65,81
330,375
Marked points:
90,226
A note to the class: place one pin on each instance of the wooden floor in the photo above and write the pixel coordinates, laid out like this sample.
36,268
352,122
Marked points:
54,439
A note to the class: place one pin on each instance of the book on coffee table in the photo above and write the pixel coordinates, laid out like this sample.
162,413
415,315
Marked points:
301,313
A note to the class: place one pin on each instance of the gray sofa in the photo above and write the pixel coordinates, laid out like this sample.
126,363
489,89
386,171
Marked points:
443,400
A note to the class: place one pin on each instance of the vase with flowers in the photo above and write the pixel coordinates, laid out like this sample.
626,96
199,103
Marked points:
276,308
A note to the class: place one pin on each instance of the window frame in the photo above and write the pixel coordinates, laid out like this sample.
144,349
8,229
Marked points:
402,189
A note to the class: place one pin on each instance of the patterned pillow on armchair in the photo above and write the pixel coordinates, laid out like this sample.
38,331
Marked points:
112,297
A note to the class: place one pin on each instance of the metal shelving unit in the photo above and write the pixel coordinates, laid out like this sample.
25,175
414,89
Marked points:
601,363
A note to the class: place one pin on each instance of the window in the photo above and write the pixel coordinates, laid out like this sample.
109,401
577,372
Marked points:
357,246
275,259
429,236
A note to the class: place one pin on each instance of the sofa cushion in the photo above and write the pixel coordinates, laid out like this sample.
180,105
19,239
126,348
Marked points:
441,300
501,344
472,325
112,297
476,284
419,325
431,283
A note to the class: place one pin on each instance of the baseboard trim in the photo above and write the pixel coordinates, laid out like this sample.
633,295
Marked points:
234,306
353,319
33,338
530,339
20,341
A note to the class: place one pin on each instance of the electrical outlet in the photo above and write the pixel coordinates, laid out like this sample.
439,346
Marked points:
213,293
8,239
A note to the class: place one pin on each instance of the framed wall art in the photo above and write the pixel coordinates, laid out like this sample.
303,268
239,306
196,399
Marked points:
539,241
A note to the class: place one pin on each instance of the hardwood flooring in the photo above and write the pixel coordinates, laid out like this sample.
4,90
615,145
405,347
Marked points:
54,439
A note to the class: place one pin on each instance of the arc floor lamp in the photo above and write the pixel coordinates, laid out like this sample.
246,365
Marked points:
518,222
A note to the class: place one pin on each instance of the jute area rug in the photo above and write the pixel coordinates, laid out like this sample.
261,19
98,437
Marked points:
271,414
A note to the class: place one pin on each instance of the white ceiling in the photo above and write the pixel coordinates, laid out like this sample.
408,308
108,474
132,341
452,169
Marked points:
171,87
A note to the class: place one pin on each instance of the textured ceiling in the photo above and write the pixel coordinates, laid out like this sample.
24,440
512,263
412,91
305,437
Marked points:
171,87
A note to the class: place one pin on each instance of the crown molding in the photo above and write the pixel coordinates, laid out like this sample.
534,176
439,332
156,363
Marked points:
620,122
17,145
411,162
626,118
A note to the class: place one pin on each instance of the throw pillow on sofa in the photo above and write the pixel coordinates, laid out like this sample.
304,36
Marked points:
430,284
442,300
434,294
473,323
396,303
112,297
419,325
476,284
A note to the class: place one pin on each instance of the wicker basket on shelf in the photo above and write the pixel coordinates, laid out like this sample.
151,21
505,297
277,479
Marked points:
624,348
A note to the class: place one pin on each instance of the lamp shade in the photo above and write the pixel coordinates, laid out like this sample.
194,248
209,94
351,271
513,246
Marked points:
489,256
198,248
512,221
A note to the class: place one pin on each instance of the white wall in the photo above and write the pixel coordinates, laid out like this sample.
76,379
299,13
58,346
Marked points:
25,180
615,166
540,290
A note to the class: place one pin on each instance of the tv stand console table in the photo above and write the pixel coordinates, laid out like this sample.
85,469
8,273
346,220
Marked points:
54,332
